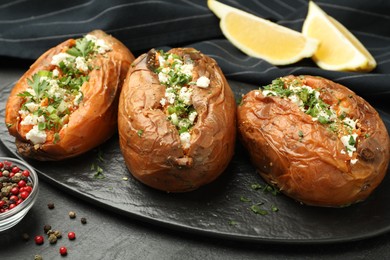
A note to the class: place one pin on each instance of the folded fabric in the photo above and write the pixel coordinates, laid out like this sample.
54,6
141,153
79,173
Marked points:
29,27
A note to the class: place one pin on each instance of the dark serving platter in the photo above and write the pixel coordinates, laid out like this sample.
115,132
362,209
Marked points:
221,209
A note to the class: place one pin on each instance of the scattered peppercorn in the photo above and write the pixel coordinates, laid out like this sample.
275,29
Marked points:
50,205
63,250
52,239
38,257
72,214
83,221
25,236
46,228
57,233
39,240
71,235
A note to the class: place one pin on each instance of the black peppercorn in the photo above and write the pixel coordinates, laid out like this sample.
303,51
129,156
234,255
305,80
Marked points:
46,228
83,221
25,236
50,205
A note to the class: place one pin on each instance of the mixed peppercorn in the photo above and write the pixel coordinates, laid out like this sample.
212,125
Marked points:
54,235
15,185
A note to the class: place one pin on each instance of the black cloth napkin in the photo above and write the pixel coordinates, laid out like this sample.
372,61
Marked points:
29,27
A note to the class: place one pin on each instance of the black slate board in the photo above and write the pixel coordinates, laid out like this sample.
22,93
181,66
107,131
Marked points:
216,209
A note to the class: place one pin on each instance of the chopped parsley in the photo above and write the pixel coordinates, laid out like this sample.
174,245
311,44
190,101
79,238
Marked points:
99,173
300,135
233,223
95,167
54,94
257,209
244,199
175,73
266,188
309,101
83,48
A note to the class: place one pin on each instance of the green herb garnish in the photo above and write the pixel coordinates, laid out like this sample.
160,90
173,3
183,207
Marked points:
300,135
258,210
82,48
244,199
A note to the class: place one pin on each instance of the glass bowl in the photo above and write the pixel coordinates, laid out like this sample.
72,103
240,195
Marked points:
13,216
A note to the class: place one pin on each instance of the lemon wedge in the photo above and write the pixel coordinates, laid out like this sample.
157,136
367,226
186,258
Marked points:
262,38
339,49
220,9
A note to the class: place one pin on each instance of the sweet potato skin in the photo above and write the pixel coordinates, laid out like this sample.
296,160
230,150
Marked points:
310,167
94,121
156,157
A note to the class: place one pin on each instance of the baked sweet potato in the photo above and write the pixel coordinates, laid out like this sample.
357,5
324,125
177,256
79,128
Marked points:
177,120
66,103
315,140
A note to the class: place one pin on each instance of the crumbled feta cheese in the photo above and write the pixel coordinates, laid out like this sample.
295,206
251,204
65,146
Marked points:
295,99
23,112
32,120
185,138
269,93
192,116
187,69
345,140
329,115
170,95
203,82
102,46
56,73
36,136
174,119
55,91
163,101
90,37
31,91
81,64
78,98
185,95
31,106
64,57
348,121
161,60
162,77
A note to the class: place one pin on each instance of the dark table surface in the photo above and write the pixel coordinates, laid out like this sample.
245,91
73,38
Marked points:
108,235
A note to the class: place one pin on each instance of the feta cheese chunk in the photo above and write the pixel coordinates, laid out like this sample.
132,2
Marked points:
32,120
348,145
64,57
203,82
185,138
81,64
185,95
36,136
